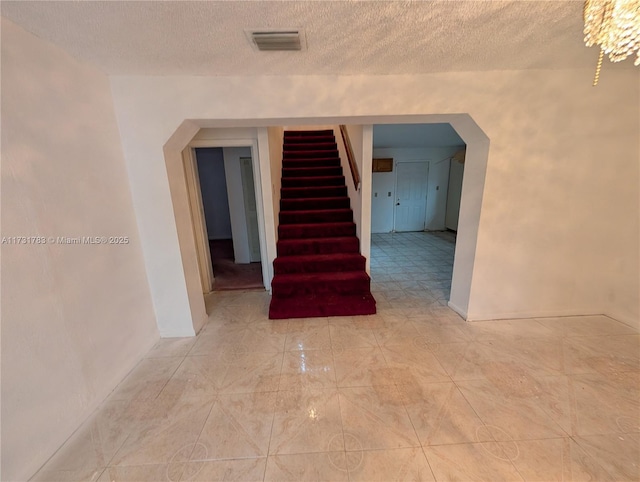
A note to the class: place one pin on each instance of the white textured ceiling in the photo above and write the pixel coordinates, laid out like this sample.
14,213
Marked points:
415,135
343,37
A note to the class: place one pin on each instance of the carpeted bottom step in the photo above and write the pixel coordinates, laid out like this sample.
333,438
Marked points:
293,247
314,230
344,283
319,263
322,305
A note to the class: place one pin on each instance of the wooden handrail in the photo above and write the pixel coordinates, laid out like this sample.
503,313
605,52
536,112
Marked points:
350,156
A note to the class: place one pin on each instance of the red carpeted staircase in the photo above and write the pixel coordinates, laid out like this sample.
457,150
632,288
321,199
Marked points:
319,270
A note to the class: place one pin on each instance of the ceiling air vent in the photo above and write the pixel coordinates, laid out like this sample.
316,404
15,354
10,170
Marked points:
276,40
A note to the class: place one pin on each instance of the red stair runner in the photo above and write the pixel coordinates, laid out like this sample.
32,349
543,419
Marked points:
319,270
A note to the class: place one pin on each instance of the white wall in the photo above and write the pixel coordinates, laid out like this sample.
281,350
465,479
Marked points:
365,193
213,186
437,190
383,191
383,205
75,318
233,172
542,200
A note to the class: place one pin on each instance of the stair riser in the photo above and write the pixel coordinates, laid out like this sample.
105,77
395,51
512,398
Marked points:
313,133
310,191
284,266
327,230
312,171
340,287
309,140
282,309
314,203
320,162
308,146
312,181
311,154
320,216
305,247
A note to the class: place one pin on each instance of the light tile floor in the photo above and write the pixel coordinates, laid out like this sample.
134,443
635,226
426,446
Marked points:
412,393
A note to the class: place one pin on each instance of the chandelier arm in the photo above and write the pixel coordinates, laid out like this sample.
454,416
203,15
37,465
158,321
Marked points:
596,78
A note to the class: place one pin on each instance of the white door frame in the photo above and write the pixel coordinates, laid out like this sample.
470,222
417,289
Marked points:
200,226
251,238
198,219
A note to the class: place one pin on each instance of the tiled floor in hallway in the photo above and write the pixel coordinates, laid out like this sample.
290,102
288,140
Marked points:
412,393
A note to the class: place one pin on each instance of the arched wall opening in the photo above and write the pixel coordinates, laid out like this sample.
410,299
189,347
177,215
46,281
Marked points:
256,129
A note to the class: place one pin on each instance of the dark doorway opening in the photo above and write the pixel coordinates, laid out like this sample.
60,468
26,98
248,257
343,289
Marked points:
227,188
228,274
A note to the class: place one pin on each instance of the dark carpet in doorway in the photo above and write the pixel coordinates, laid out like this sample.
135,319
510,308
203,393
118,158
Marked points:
231,276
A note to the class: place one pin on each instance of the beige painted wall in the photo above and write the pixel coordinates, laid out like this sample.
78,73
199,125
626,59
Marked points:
75,318
562,158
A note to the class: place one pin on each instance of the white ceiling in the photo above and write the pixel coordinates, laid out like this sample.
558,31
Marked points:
415,135
343,37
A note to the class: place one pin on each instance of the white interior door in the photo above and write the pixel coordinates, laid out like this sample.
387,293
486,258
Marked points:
411,195
251,210
438,187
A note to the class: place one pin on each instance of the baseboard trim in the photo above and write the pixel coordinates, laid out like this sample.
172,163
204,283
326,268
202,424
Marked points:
532,314
457,309
625,318
178,334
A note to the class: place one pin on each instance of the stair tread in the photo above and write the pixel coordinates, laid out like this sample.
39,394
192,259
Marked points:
319,199
306,159
312,225
325,144
308,204
301,258
317,211
306,189
315,230
311,153
303,170
322,276
328,239
292,211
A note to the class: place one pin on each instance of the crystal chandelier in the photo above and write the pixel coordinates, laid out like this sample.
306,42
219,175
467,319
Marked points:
613,25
